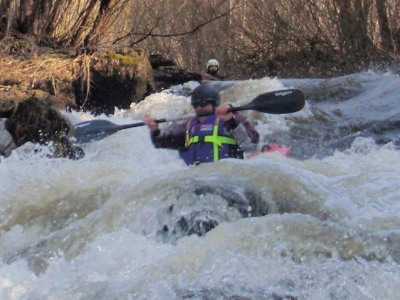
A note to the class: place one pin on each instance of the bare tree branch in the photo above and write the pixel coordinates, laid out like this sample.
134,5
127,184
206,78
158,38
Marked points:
145,35
169,35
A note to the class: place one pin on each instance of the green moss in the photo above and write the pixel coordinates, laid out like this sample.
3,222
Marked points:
39,94
124,60
58,53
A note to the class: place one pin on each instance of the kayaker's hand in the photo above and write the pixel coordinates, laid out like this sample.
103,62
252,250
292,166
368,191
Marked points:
151,123
222,112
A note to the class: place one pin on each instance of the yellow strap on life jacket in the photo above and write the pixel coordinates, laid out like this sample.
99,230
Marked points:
187,137
215,139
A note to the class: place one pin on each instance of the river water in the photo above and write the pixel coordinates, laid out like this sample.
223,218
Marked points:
133,222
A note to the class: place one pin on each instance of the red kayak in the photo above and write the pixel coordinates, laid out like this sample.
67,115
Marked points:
272,148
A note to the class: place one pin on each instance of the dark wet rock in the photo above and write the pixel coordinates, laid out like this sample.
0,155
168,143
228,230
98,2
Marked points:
196,224
249,203
116,79
7,144
36,121
160,60
232,293
167,74
283,297
6,108
204,204
12,96
393,241
167,77
61,102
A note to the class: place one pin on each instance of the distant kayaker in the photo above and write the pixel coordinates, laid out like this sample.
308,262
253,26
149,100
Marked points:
208,138
212,72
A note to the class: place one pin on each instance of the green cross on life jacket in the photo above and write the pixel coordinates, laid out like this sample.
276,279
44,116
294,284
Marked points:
216,139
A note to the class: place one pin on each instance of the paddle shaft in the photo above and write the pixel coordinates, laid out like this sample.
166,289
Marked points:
278,102
184,117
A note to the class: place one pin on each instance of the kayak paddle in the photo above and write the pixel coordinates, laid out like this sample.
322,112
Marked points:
278,102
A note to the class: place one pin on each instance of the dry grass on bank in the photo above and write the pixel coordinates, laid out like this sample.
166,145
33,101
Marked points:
50,74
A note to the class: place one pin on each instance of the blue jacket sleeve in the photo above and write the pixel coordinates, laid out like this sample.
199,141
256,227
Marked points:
172,140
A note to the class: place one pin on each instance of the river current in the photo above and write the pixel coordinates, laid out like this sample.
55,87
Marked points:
129,221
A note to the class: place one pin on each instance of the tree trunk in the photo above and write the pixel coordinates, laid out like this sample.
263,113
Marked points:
24,16
384,29
103,19
353,29
7,12
82,26
52,22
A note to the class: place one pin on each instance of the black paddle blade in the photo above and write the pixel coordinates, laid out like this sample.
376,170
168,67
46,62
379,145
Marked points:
278,102
94,130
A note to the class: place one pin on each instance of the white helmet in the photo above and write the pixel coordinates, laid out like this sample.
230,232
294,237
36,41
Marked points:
212,62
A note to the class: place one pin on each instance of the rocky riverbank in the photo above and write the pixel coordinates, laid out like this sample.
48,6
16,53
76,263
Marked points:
36,82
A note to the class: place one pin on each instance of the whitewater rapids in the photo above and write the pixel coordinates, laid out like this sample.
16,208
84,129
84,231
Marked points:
133,222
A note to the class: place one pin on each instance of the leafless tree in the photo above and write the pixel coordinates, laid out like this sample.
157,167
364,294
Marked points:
248,37
71,23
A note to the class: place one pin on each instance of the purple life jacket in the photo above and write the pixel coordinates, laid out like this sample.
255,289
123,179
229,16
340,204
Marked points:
207,141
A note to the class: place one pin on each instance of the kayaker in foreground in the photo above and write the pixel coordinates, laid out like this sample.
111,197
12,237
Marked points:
208,138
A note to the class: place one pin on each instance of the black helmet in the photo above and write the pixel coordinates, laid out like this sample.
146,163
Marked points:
205,93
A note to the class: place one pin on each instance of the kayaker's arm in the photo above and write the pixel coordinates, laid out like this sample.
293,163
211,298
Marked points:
244,132
174,140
